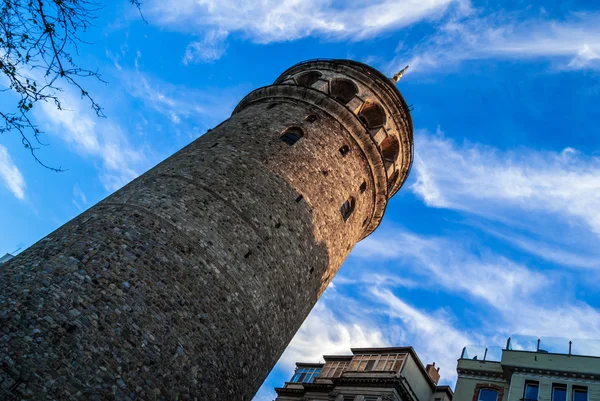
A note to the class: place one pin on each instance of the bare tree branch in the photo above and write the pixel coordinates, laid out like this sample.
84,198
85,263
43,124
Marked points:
37,40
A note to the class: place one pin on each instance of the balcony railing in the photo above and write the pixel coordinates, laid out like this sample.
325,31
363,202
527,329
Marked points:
552,345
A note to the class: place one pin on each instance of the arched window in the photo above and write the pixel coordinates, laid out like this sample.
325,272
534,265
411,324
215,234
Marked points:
372,115
487,394
347,208
343,90
308,78
291,135
389,149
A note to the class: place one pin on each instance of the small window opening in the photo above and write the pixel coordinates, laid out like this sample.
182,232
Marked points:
311,118
247,255
344,150
325,172
212,146
312,269
269,107
363,187
347,208
365,222
299,198
308,78
292,135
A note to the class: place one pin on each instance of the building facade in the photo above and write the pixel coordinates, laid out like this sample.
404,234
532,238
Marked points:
531,370
189,282
369,374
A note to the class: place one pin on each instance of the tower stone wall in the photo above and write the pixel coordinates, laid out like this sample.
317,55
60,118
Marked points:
189,282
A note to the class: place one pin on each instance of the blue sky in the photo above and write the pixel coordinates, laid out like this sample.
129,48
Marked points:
496,230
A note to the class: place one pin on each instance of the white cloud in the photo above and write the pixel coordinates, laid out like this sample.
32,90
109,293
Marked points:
440,262
79,198
178,103
281,20
485,181
96,137
322,333
11,175
433,335
211,48
573,42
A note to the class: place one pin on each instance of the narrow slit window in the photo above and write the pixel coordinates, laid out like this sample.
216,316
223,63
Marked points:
363,187
311,118
292,135
347,208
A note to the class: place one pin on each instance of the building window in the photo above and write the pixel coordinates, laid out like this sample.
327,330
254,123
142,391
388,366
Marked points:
559,392
344,150
334,369
311,118
580,393
292,135
347,208
487,394
384,362
363,187
305,375
531,391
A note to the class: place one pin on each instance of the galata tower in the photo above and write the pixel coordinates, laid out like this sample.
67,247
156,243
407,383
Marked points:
189,282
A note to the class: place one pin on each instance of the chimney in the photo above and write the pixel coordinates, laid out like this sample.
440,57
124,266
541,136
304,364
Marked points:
433,372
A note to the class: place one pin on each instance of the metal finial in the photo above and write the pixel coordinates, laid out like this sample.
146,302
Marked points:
399,74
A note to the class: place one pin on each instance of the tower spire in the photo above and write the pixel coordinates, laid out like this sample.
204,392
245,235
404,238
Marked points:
399,74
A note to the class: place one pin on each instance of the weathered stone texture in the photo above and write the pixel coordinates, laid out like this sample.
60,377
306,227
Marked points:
189,282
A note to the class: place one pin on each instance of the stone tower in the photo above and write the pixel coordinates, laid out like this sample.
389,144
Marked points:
189,282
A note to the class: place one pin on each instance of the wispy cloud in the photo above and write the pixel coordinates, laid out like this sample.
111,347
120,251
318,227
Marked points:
572,43
11,175
95,137
496,184
438,262
283,20
178,103
210,48
79,198
432,334
324,333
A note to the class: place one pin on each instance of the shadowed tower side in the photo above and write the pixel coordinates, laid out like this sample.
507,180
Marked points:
191,280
